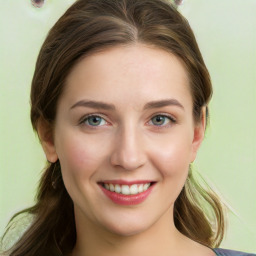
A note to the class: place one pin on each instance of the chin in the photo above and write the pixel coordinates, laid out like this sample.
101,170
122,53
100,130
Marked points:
126,232
129,227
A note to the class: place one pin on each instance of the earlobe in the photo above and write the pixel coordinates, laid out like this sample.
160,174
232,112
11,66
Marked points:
45,133
199,131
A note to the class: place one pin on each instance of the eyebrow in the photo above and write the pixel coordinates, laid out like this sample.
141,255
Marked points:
107,106
163,103
93,104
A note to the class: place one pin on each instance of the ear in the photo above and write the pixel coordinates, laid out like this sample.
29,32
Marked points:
45,133
199,131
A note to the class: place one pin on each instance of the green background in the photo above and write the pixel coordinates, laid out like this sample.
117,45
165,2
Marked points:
226,33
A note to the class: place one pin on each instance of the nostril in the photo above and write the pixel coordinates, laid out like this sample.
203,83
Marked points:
38,3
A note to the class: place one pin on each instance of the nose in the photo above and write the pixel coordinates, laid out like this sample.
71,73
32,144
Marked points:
128,152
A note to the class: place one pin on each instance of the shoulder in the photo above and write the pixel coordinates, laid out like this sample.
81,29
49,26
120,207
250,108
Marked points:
226,252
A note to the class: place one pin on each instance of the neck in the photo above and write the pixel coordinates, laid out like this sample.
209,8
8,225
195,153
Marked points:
162,238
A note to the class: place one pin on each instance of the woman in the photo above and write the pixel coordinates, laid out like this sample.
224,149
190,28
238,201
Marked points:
119,100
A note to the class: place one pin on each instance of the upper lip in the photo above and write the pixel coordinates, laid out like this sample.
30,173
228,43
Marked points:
126,182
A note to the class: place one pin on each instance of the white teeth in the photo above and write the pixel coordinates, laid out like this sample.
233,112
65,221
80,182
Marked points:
117,188
134,189
111,187
140,188
146,186
126,189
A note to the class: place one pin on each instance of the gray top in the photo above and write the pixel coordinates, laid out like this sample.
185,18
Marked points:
226,252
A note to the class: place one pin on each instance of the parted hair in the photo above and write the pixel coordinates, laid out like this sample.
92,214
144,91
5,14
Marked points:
89,26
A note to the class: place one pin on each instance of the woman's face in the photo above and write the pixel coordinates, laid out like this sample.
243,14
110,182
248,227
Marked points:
124,122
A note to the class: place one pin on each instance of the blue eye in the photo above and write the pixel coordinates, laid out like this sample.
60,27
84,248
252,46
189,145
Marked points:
161,120
94,121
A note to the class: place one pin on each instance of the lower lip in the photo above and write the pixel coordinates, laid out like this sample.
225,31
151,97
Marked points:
127,199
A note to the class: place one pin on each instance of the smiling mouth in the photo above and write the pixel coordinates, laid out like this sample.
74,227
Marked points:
125,189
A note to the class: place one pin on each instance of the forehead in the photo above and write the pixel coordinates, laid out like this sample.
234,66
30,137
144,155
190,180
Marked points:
132,72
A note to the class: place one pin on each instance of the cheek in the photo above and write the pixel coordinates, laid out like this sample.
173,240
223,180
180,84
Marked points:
74,156
79,159
172,158
172,161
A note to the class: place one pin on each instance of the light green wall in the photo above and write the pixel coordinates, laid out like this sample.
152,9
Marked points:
226,32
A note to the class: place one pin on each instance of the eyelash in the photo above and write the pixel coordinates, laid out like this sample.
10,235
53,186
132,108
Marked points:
171,119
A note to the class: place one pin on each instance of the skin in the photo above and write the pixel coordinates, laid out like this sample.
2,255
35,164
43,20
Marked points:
126,143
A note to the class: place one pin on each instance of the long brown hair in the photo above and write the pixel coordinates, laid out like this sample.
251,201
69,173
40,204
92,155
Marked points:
94,25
